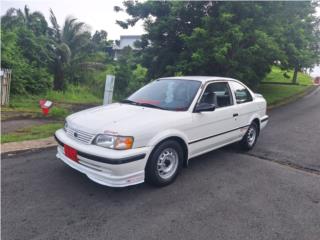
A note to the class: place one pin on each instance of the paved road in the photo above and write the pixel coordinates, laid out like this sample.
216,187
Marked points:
293,134
222,195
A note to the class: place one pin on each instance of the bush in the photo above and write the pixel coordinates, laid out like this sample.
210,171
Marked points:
60,113
26,76
73,94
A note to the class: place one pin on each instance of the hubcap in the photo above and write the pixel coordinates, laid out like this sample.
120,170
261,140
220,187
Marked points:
251,137
167,163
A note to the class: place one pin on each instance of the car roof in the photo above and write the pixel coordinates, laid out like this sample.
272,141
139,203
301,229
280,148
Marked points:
202,79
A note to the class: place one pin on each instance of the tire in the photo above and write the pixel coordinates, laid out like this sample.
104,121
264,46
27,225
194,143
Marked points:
250,138
164,163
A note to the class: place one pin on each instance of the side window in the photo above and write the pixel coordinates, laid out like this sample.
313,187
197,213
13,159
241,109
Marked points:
217,93
241,93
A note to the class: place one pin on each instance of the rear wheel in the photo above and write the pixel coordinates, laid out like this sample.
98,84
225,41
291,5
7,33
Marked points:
164,163
250,138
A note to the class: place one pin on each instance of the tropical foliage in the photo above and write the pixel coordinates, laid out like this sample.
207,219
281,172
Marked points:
236,39
25,48
47,56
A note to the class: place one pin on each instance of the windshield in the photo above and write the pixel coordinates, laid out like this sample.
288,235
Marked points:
168,94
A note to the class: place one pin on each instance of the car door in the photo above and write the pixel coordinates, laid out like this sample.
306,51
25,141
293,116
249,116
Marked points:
244,105
215,128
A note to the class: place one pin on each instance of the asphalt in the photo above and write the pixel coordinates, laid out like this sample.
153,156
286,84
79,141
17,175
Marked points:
273,192
293,134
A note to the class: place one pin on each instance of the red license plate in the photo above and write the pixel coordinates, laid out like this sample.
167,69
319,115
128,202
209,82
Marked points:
71,153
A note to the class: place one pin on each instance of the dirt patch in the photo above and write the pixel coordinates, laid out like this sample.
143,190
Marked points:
10,126
12,121
15,115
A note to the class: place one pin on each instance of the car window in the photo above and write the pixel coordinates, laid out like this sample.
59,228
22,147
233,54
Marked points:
241,93
218,94
169,94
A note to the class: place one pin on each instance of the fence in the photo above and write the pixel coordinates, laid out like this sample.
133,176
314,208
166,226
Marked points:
5,76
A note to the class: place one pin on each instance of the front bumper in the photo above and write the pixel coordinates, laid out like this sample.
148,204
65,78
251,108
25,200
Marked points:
114,168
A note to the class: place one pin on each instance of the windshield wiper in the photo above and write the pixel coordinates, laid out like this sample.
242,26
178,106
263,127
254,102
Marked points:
150,105
129,102
140,104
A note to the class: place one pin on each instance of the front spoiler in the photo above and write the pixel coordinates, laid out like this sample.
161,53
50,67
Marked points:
107,179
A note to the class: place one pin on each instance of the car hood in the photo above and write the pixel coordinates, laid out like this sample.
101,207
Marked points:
122,119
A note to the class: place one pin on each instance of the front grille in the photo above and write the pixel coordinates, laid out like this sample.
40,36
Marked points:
79,135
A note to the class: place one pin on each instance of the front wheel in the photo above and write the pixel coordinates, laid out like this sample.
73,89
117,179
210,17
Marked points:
164,163
250,138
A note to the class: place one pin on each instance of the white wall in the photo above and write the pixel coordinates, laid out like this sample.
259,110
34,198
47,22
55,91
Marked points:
128,41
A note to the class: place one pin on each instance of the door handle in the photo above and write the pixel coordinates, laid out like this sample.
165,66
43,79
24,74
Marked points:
235,114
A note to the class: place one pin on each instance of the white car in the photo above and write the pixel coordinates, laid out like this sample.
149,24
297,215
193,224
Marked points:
153,133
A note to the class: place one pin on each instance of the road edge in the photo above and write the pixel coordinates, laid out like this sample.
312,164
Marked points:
15,147
292,99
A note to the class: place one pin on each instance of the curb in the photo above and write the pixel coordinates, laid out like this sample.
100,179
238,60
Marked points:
14,147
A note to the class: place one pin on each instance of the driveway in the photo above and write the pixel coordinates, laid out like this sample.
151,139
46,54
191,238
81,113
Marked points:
272,192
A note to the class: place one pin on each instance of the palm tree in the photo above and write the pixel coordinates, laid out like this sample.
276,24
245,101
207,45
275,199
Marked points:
34,21
67,42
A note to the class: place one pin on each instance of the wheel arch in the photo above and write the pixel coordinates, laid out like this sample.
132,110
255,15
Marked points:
254,117
178,137
257,121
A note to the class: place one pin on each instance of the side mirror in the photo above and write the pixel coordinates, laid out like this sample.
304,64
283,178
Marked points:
204,107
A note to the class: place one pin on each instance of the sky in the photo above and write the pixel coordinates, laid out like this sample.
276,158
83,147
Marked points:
98,14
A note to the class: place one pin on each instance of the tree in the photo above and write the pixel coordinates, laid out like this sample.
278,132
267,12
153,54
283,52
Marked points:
28,76
129,75
68,41
231,44
37,53
234,39
34,21
299,37
25,49
99,40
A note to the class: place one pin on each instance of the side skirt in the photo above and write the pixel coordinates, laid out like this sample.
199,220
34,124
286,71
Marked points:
214,148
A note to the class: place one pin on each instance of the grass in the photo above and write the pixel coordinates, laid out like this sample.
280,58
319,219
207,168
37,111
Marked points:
27,106
58,112
30,133
30,105
61,100
277,93
279,76
74,94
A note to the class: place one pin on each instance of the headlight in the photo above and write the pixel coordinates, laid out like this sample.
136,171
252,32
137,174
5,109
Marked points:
114,142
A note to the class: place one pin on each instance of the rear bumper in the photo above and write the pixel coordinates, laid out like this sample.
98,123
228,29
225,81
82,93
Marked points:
108,167
264,121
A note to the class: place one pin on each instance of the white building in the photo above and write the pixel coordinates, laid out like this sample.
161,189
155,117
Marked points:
125,41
